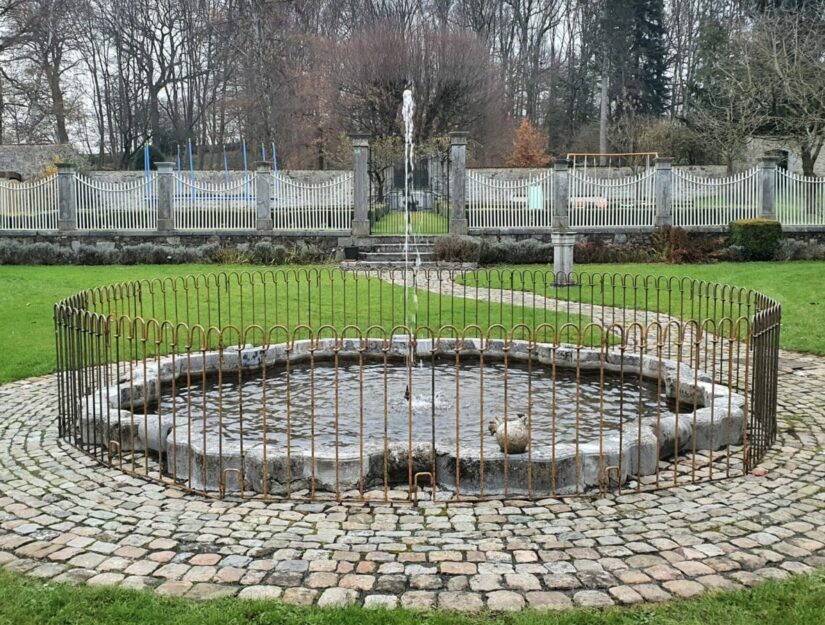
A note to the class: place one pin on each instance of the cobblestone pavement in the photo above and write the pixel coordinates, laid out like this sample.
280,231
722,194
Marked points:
64,517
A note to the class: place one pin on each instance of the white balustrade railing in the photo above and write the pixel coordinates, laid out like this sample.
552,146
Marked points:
218,206
103,205
627,202
30,205
699,201
511,204
309,206
800,200
492,203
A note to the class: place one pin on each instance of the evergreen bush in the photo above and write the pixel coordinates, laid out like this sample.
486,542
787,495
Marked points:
759,238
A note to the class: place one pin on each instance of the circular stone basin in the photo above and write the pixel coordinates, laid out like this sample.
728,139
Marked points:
300,403
613,412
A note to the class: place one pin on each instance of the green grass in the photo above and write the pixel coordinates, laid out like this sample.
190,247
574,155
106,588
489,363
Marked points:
28,294
799,287
423,223
797,601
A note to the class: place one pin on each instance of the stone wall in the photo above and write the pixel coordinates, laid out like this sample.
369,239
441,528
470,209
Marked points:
504,173
30,161
759,146
332,243
242,243
308,176
304,176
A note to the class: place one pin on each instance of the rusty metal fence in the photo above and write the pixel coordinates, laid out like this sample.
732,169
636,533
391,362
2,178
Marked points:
318,383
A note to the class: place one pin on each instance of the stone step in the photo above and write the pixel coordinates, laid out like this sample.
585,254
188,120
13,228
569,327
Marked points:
388,265
399,247
375,257
399,254
399,240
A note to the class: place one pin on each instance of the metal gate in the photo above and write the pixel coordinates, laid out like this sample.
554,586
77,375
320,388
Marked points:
428,199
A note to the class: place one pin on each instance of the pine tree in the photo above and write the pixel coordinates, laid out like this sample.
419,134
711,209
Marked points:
648,50
529,147
633,32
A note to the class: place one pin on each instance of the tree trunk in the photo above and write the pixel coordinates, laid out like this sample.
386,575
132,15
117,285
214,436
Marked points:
810,154
603,117
808,161
154,117
58,105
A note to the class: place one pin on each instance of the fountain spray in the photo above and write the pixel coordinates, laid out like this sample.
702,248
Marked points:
408,113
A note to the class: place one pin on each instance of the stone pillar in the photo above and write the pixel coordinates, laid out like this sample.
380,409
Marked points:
263,195
67,198
458,182
361,184
166,196
767,186
663,192
561,195
563,243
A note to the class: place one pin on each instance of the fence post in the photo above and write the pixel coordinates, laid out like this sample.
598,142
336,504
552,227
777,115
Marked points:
66,197
767,186
263,195
166,197
561,194
663,191
458,182
360,185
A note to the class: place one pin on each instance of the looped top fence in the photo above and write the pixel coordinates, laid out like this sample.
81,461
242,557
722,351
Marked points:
319,384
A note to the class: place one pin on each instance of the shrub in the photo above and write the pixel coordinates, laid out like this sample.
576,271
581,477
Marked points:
207,252
93,255
307,253
262,253
597,251
794,249
265,253
457,249
140,254
37,254
523,252
758,238
231,256
151,254
278,254
675,245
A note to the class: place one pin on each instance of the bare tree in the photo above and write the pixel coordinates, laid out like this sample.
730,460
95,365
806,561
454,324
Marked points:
450,72
779,67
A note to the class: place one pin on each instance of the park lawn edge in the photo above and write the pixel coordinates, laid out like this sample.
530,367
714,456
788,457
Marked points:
28,601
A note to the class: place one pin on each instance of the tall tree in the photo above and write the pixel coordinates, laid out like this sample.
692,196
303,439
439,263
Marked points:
635,56
779,63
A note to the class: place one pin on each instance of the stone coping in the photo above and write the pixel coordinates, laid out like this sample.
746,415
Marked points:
211,464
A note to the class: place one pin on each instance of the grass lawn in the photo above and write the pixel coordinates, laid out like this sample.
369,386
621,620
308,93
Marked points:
799,287
28,294
798,601
422,223
26,298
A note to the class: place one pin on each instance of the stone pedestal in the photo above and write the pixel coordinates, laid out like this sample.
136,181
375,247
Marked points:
67,200
458,183
663,185
263,196
360,185
563,243
165,196
767,186
561,195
